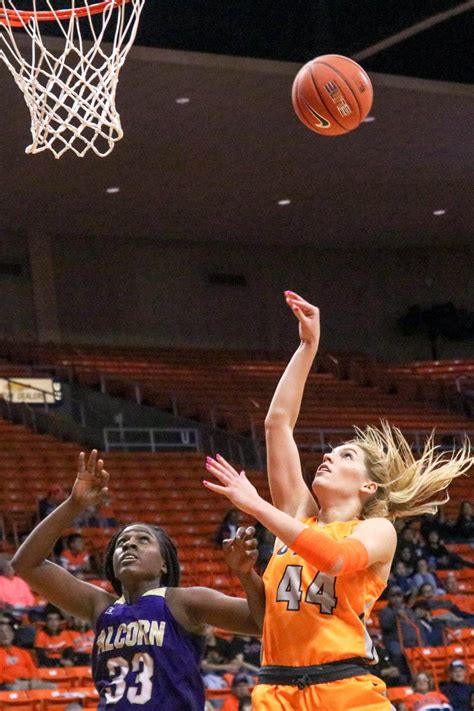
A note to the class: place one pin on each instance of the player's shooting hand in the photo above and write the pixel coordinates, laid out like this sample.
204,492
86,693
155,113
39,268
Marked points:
236,487
241,552
308,317
91,482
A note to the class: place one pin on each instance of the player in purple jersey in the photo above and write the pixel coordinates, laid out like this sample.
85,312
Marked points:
150,635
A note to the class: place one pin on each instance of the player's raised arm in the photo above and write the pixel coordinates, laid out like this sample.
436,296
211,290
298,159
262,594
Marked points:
288,489
54,583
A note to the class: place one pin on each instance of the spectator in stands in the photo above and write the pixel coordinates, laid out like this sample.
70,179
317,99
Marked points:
452,614
246,651
14,592
245,704
422,576
438,555
216,662
97,516
431,629
74,557
386,669
396,615
239,690
53,643
456,688
451,584
425,697
82,641
228,527
463,529
17,668
55,496
408,556
437,522
399,577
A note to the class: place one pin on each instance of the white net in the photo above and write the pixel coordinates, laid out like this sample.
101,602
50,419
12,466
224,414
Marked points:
70,92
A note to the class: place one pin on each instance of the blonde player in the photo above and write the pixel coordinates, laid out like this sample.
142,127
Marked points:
335,544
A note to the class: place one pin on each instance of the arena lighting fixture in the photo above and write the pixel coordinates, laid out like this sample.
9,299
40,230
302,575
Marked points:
183,100
284,202
439,212
368,119
112,190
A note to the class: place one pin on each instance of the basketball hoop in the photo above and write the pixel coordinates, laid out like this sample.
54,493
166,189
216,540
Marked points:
70,92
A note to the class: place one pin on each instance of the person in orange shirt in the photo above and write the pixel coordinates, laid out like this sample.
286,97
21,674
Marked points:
74,558
13,590
335,542
239,691
17,669
53,644
425,697
82,640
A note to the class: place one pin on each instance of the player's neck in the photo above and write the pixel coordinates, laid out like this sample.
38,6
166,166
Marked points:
346,511
133,591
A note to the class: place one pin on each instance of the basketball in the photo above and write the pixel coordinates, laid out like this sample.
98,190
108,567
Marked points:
332,94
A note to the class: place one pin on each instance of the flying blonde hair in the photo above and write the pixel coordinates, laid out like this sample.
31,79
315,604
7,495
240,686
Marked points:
407,486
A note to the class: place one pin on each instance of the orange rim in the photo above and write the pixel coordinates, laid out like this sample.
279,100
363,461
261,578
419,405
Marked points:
18,18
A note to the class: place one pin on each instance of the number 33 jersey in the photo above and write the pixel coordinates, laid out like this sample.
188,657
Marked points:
144,659
313,618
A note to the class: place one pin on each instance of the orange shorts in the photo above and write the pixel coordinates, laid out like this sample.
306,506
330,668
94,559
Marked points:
358,693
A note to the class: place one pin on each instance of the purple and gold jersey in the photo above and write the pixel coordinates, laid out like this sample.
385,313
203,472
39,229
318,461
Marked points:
143,659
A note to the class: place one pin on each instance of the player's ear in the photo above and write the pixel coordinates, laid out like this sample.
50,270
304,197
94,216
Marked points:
370,487
164,568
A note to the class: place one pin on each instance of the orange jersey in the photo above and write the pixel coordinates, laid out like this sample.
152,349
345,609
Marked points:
313,618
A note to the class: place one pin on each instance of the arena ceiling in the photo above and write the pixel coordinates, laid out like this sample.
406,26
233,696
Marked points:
216,166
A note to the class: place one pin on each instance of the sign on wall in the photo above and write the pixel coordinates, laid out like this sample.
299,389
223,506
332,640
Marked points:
33,391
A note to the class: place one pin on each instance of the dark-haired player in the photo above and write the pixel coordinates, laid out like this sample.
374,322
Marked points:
150,635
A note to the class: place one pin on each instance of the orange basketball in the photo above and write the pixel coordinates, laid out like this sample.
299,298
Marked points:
332,94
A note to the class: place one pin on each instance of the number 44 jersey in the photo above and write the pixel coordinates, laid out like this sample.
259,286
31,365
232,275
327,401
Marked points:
313,618
144,659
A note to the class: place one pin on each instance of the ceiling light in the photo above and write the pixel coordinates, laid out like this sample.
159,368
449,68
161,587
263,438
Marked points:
439,212
368,119
284,202
112,190
183,100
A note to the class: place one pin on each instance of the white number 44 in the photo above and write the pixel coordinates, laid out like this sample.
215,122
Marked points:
321,591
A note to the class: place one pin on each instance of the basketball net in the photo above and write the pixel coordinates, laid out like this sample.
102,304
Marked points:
70,92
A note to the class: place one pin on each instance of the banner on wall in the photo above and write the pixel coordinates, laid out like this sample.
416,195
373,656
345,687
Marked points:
32,391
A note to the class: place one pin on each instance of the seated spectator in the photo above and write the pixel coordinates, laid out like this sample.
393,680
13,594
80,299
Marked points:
82,640
406,553
386,669
456,687
399,577
74,558
424,697
438,555
431,629
437,522
14,592
216,662
17,668
463,529
56,494
451,584
396,614
228,527
422,576
239,690
246,651
450,612
53,643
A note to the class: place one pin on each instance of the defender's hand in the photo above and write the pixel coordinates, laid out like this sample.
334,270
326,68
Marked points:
90,486
241,552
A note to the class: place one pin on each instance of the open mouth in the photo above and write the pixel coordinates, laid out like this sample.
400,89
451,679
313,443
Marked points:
322,468
129,558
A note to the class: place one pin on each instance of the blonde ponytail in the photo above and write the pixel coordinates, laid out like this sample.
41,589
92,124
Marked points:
408,486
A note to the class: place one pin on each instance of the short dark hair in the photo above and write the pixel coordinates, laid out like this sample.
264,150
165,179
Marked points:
72,537
168,551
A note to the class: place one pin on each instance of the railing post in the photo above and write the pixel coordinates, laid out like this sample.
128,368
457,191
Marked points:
138,394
